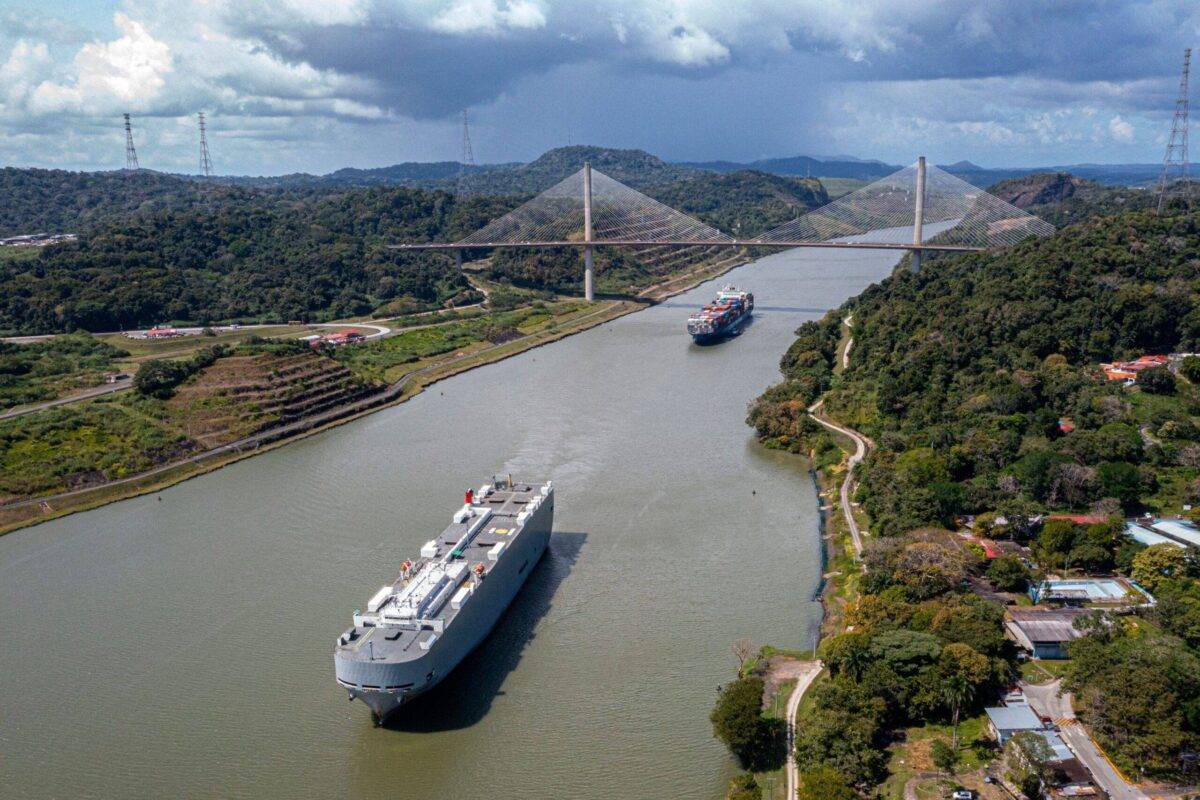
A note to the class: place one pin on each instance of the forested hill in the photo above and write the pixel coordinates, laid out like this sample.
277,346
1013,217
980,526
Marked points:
744,203
154,248
316,257
977,358
634,167
57,201
1062,199
978,380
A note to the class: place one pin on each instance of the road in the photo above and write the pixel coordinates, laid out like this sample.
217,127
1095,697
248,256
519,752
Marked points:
95,391
1046,700
380,331
812,670
860,451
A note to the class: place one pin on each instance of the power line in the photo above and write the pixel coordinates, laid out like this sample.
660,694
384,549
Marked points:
205,161
1176,158
131,162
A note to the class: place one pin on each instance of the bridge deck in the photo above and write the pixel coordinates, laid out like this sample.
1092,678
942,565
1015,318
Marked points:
948,248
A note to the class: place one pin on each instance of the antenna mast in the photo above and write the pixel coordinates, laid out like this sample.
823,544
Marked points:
205,161
131,162
1176,158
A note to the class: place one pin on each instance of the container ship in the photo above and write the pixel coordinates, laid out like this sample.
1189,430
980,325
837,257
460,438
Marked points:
417,629
722,317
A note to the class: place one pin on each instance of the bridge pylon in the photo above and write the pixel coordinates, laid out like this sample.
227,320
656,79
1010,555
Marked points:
589,274
918,214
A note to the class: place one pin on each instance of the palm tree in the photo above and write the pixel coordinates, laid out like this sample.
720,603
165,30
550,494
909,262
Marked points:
958,692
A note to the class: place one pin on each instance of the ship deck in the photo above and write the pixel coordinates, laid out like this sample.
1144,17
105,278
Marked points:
396,643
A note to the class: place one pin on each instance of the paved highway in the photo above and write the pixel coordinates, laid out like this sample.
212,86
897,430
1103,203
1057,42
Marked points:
1047,701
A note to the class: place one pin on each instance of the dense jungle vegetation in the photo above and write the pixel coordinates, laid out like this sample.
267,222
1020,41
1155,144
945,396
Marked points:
978,381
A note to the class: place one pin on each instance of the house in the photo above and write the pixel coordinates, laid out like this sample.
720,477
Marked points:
1128,370
343,338
1004,722
1044,633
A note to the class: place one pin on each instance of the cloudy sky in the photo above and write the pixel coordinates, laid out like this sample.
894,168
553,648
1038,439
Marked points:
313,85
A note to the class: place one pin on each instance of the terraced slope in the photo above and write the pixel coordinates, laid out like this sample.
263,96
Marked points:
240,395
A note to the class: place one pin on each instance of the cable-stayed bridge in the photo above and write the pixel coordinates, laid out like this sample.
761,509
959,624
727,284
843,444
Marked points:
589,209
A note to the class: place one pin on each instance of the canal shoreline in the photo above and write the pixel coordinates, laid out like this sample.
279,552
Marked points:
33,511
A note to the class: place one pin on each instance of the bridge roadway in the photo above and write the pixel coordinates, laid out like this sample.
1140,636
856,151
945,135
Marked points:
783,245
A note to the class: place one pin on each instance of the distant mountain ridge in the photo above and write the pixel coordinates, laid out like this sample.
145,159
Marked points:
639,169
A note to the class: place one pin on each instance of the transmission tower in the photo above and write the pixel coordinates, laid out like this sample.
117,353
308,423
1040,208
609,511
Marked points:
131,163
1176,159
467,160
468,155
205,161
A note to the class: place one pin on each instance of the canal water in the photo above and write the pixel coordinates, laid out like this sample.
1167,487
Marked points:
180,644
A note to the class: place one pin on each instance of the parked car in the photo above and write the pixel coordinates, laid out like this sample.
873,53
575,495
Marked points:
963,794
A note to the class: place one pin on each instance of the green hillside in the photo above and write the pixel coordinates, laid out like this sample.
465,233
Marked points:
978,381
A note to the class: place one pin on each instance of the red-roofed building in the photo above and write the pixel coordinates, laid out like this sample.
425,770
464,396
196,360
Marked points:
1081,519
343,337
1128,370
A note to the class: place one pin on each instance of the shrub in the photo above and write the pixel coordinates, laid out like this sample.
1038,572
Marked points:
1156,380
944,756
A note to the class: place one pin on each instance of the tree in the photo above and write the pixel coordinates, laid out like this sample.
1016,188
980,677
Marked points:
929,568
1156,380
1121,480
757,742
158,378
846,653
1159,563
744,787
1190,369
824,783
1028,755
962,671
1056,540
741,650
1008,573
944,755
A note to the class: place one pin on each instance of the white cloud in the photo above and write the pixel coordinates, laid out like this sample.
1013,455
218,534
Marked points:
487,16
130,71
966,69
1121,130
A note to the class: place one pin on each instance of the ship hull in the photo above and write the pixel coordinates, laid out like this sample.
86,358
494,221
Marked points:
730,328
386,686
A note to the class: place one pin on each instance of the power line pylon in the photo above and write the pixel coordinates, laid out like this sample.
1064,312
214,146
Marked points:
205,161
131,162
467,160
468,155
1176,159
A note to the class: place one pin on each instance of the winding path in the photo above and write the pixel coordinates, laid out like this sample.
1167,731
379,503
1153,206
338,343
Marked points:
860,451
811,671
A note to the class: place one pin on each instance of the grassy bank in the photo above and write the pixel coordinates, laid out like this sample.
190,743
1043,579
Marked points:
409,361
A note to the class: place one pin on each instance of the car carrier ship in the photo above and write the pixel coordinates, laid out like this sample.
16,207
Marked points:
418,628
722,317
